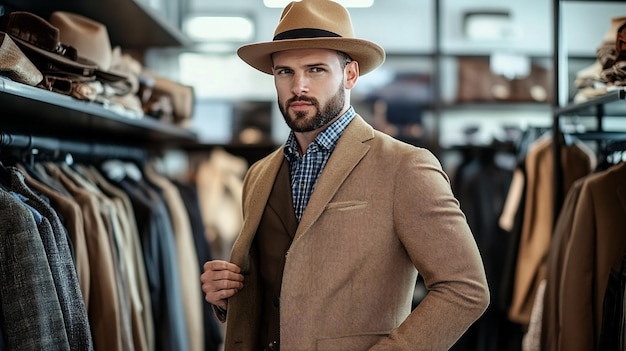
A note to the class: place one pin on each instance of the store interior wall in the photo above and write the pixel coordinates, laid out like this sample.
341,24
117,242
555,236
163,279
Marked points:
407,30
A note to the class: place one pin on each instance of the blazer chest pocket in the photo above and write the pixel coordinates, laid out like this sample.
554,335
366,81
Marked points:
346,205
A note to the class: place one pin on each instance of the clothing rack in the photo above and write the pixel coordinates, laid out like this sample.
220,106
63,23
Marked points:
59,147
599,136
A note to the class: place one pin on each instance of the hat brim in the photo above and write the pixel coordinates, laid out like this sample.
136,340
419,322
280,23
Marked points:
121,84
109,76
368,54
81,63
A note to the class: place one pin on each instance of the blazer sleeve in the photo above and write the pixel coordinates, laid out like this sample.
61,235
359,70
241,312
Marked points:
436,236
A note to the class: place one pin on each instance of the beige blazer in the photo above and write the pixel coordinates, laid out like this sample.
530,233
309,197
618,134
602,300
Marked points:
381,211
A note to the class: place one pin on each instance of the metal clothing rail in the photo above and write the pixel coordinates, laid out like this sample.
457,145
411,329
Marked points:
75,148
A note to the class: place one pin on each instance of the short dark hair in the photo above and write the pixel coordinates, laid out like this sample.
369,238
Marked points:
344,57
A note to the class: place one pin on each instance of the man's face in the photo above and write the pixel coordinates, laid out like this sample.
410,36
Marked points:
311,86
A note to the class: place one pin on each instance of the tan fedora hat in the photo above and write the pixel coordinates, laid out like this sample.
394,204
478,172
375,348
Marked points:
314,24
90,39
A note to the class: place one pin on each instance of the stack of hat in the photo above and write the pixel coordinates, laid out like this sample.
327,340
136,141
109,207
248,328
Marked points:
70,52
166,99
72,55
609,68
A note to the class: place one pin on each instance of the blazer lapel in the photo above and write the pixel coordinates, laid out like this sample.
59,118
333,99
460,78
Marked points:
256,198
349,151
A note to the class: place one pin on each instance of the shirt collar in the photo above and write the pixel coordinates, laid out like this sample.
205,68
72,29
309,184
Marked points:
326,140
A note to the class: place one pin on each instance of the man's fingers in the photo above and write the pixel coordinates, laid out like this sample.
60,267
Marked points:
220,280
218,276
219,265
222,284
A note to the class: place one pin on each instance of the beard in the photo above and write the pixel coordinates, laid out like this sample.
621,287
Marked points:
299,122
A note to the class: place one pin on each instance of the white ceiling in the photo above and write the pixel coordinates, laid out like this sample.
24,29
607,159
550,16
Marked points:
408,26
387,22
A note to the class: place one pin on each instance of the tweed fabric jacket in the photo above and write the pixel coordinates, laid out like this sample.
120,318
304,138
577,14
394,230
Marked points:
61,265
71,213
31,315
381,211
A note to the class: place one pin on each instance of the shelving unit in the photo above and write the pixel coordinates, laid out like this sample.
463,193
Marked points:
605,105
130,24
611,104
495,115
33,111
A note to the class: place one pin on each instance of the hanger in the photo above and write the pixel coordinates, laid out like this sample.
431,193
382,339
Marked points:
5,173
114,170
5,176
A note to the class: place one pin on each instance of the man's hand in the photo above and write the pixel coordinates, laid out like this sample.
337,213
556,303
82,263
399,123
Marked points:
220,281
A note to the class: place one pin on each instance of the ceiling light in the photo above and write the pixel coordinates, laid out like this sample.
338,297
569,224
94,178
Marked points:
346,3
219,28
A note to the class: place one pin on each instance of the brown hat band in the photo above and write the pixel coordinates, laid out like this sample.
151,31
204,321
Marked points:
50,46
302,33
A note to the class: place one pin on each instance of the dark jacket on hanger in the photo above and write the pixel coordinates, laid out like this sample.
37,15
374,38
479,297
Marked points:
62,267
161,265
189,193
39,326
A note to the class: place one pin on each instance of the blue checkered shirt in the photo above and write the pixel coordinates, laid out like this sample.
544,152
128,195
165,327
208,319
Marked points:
305,170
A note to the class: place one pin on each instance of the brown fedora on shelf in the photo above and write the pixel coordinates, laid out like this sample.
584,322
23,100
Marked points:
314,24
40,42
90,39
15,65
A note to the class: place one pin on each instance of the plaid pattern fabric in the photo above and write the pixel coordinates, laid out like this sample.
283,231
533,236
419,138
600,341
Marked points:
305,170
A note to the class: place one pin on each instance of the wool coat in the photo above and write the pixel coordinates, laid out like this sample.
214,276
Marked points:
596,247
538,217
381,212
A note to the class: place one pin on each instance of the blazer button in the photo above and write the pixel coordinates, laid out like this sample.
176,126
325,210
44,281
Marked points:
277,302
273,345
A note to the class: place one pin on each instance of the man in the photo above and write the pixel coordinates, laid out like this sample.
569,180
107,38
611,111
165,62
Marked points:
338,221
